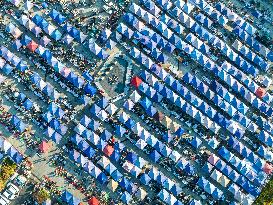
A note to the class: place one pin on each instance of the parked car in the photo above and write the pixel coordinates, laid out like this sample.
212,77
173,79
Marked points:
4,200
11,191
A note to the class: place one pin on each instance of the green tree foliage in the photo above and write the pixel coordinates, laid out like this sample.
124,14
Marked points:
41,195
7,169
266,196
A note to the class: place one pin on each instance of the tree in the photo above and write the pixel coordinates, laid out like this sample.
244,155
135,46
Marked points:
41,195
266,194
7,169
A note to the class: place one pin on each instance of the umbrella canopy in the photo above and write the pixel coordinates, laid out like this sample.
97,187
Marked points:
44,146
141,194
260,92
32,46
56,137
268,168
112,185
213,159
93,201
136,81
108,150
126,197
28,104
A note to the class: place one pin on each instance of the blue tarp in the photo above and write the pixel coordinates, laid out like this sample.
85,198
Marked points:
28,104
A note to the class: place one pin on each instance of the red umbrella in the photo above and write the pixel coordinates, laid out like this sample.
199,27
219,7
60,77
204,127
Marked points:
108,150
93,201
268,168
260,92
32,46
44,146
136,81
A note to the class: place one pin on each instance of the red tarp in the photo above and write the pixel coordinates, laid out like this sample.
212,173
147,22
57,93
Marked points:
136,81
93,201
32,46
108,150
260,92
44,146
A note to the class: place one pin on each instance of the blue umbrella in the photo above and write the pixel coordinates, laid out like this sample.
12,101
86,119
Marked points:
130,123
74,32
7,69
56,137
79,82
17,158
66,196
227,170
94,125
220,164
37,19
47,55
83,145
25,40
87,134
89,89
106,135
85,99
146,103
21,126
62,129
49,132
21,97
53,14
115,155
168,137
15,120
60,19
76,139
131,157
154,156
110,168
56,35
59,113
74,201
116,175
103,102
28,104
189,169
145,179
85,121
67,27
55,124
90,152
207,168
161,178
196,142
101,144
126,197
22,66
124,183
95,109
17,45
11,151
43,24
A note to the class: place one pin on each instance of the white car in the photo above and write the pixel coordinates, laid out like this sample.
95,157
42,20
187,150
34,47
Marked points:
11,191
4,200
